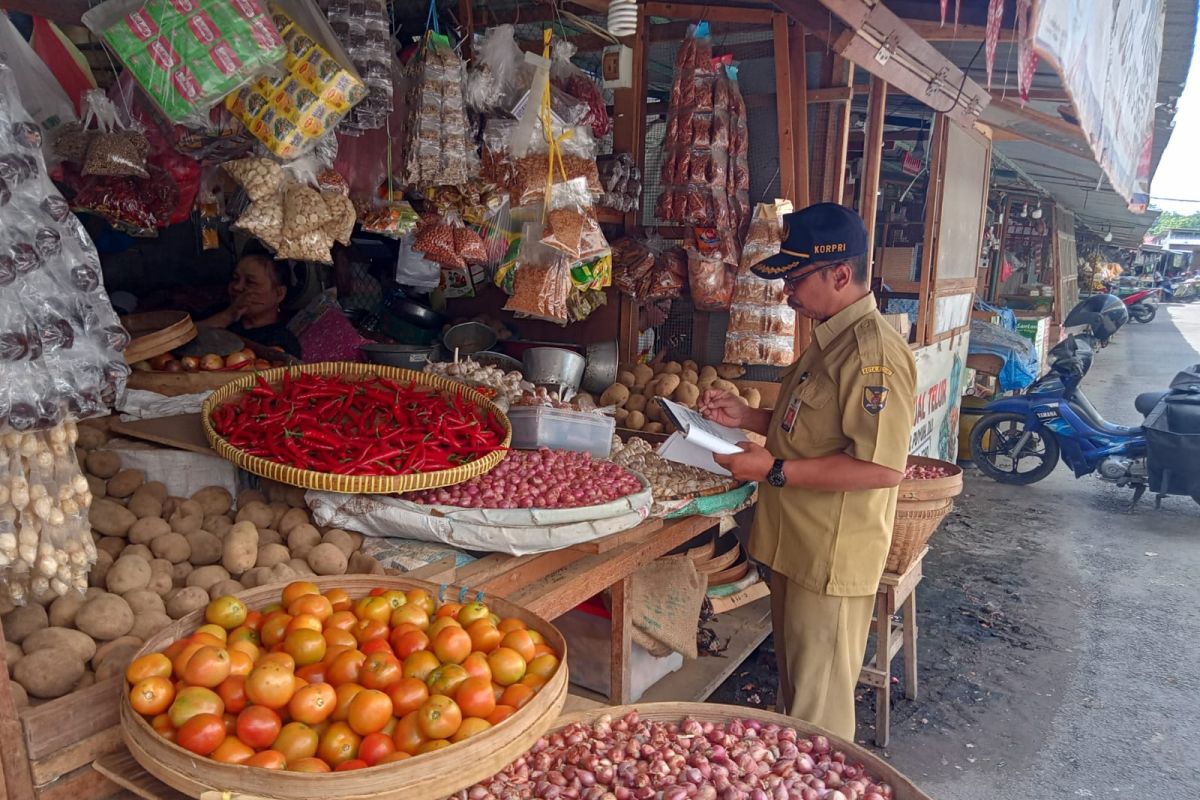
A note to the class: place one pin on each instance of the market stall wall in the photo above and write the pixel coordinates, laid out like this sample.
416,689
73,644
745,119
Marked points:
941,377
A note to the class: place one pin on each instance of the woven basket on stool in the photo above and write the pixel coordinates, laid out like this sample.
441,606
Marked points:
916,520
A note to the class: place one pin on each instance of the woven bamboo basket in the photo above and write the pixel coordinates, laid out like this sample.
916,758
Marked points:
352,484
934,488
916,520
156,332
431,776
902,787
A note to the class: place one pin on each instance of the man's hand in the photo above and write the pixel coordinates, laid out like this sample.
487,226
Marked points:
724,408
752,464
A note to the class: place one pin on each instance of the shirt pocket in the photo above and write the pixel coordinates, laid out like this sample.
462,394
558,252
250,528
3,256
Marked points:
818,420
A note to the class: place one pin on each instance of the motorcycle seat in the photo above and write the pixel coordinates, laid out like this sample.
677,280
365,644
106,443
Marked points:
1145,402
1082,406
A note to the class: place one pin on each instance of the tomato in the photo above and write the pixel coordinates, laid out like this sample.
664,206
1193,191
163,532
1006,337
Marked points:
313,703
377,646
306,646
452,645
314,605
201,734
354,763
297,589
308,765
507,666
296,740
336,637
475,697
232,751
346,667
227,612
510,624
408,642
267,759
470,726
370,710
440,624
500,714
434,744
215,631
446,679
447,610
163,727
303,622
152,696
374,747
408,736
439,717
174,649
537,637
516,695
338,744
412,614
274,628
254,620
476,666
535,682
339,599
473,612
521,642
279,658
344,694
420,664
341,620
395,598
377,609
180,660
258,726
194,700
240,663
243,633
543,650
391,758
207,667
152,665
366,630
380,670
270,685
407,695
485,637
422,598
313,673
334,650
232,692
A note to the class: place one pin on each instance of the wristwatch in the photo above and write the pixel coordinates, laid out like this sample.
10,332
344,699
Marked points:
776,477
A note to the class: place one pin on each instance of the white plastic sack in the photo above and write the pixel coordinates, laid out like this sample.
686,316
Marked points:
385,516
407,554
43,97
183,471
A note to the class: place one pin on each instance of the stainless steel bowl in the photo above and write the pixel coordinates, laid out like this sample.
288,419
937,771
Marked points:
491,358
468,338
554,367
408,356
601,370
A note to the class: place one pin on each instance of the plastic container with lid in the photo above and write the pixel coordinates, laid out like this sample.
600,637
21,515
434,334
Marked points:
559,429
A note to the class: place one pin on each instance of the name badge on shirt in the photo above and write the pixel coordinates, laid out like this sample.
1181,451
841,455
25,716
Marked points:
793,407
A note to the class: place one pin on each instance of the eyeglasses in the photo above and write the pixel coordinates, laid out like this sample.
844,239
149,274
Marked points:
790,283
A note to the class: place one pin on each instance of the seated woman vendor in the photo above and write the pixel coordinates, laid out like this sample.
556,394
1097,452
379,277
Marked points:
257,289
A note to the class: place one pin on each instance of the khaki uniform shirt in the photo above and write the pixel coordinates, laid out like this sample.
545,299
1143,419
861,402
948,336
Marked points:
852,391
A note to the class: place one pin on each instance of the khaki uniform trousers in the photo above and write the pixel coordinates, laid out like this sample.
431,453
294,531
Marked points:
820,643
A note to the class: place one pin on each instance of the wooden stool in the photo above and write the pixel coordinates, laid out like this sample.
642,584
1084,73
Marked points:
896,593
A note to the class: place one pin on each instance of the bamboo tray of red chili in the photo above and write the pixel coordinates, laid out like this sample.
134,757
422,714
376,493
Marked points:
356,428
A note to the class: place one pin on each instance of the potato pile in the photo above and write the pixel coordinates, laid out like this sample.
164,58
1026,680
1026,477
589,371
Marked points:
684,382
158,558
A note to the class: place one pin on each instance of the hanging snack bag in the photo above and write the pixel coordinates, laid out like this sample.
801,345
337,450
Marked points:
440,148
572,80
188,54
290,113
258,177
341,216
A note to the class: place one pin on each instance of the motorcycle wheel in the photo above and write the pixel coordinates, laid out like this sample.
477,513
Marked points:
992,440
1142,314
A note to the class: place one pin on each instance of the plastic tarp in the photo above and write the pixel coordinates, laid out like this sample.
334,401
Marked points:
1019,354
1008,317
1173,435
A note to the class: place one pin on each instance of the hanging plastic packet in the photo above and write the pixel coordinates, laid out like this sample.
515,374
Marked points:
710,283
498,68
113,149
415,270
572,80
390,218
440,148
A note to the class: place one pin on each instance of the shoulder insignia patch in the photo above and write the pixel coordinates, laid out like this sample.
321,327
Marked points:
877,369
874,398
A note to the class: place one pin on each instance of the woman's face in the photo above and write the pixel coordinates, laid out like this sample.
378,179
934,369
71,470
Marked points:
254,287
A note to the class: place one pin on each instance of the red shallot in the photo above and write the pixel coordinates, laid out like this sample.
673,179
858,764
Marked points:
925,472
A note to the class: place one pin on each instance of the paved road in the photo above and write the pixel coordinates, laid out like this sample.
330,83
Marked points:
1064,633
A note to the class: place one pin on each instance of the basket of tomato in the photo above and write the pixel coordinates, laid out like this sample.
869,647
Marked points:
367,678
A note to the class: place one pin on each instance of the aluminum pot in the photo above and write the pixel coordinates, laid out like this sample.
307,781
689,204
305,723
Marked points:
408,356
468,338
601,369
554,367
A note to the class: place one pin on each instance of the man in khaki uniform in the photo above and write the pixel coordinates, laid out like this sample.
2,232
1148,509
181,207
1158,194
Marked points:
837,444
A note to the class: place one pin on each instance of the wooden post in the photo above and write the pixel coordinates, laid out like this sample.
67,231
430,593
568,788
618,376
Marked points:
619,684
798,87
933,215
872,162
16,781
783,107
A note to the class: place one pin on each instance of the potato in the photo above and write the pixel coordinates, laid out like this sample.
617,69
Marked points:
65,638
691,365
214,500
147,529
205,548
281,573
620,416
294,497
291,520
140,550
260,514
690,376
144,601
300,566
186,523
667,385
92,593
189,599
635,421
106,617
206,577
269,536
97,486
128,573
144,504
105,650
271,554
24,620
654,412
356,540
99,571
180,573
110,517
626,379
643,374
327,559
753,398
673,368
730,371
636,402
278,509
173,547
653,427
88,679
49,673
111,545
218,525
161,583
12,654
146,625
614,395
302,539
248,496
223,588
171,505
255,577
725,386
342,540
240,550
125,482
63,609
19,695
687,394
91,437
156,489
361,564
103,463
117,661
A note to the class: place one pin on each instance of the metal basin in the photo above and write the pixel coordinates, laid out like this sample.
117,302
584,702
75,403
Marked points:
408,356
468,338
554,367
601,369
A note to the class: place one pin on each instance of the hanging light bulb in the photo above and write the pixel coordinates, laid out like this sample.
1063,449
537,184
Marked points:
1108,236
622,17
1025,211
1037,212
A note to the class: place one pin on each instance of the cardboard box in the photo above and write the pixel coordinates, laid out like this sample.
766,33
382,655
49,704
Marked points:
901,323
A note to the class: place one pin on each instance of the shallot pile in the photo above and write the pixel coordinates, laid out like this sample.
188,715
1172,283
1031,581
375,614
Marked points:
635,759
538,479
926,472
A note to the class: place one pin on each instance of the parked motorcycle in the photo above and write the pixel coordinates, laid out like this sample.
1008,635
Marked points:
1021,439
1183,289
1142,303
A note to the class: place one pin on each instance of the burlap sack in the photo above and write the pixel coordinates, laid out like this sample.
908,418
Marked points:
664,606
